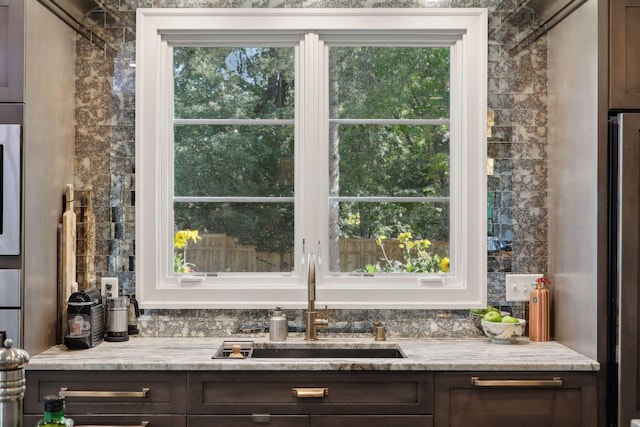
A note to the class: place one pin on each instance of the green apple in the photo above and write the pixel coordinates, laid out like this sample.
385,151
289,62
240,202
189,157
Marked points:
510,319
493,316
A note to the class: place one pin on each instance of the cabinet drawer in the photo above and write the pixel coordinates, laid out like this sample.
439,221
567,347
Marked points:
524,399
121,392
11,50
346,393
372,420
248,421
119,420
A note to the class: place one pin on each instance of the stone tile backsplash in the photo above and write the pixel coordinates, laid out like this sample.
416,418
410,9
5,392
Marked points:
517,140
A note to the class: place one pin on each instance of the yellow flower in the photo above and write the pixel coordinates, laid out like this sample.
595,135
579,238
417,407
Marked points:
380,239
444,264
353,219
403,237
182,237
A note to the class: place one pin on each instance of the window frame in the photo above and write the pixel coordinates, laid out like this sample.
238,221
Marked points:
159,29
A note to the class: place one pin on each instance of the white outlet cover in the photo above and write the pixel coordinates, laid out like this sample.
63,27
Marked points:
109,287
518,286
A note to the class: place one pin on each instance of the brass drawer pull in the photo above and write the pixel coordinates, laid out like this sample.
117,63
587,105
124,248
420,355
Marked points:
142,424
555,382
303,393
64,392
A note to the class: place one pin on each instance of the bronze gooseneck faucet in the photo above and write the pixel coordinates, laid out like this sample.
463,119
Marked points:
313,319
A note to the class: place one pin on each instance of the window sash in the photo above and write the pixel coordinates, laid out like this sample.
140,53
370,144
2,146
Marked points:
159,30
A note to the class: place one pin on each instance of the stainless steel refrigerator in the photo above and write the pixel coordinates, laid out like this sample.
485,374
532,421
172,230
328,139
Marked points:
10,232
623,322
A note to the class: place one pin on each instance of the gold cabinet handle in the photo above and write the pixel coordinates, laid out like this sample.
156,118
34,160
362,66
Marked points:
555,382
303,393
142,424
64,392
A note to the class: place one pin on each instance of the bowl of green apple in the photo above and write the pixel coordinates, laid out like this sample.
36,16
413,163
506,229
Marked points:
502,329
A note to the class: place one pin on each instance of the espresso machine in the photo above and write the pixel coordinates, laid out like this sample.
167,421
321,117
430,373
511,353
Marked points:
85,319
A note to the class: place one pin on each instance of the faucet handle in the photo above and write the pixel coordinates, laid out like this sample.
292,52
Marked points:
325,313
374,328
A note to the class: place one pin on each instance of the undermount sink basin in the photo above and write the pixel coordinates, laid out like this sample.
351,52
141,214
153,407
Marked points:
311,350
326,353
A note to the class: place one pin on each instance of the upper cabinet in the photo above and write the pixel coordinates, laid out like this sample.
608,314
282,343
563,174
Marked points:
624,54
11,50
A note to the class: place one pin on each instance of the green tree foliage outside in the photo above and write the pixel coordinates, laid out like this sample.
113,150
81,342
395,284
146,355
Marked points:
241,160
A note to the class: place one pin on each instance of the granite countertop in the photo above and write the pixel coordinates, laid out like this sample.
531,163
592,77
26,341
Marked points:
195,354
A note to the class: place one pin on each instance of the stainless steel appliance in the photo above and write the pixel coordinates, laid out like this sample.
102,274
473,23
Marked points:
117,319
10,304
10,211
623,290
10,262
85,319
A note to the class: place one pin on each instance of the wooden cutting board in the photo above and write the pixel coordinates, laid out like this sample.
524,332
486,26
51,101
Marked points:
68,246
90,241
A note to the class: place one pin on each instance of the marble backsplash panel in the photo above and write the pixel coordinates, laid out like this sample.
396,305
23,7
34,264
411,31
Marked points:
517,140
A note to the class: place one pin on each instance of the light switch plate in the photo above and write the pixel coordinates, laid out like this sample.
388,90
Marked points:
109,287
520,285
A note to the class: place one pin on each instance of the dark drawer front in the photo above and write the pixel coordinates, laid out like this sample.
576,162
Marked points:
166,391
519,399
347,393
372,421
119,420
248,421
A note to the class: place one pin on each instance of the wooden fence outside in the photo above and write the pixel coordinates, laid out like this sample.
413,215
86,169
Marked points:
219,252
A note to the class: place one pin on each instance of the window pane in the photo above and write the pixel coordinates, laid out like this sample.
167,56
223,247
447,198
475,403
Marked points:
391,237
237,237
234,158
390,82
376,153
240,82
249,161
400,161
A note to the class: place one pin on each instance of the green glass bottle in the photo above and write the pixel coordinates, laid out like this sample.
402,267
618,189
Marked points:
54,413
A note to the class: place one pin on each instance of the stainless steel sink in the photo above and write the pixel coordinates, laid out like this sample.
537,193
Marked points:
309,350
326,353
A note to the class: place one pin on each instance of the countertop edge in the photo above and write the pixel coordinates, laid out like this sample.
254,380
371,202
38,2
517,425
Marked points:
195,354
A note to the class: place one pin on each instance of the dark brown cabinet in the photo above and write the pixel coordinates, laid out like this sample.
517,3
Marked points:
11,50
624,54
111,398
532,399
318,398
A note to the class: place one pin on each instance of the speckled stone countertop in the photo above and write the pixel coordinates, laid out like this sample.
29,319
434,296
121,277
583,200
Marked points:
196,354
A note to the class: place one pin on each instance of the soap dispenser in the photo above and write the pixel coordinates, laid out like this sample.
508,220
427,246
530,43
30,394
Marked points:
278,326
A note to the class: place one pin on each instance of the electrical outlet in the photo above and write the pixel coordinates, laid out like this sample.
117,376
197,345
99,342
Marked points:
520,285
109,287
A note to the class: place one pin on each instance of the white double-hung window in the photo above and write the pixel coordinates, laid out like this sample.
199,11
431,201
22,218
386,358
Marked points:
358,135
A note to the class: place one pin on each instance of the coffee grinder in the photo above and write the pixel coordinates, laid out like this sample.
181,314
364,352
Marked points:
117,319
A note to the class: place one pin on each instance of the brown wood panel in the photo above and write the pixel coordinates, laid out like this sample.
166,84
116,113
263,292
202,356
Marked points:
629,271
167,393
11,50
247,421
11,113
349,393
459,403
624,55
372,420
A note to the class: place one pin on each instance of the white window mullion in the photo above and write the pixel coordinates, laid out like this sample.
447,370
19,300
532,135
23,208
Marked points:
165,261
312,133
